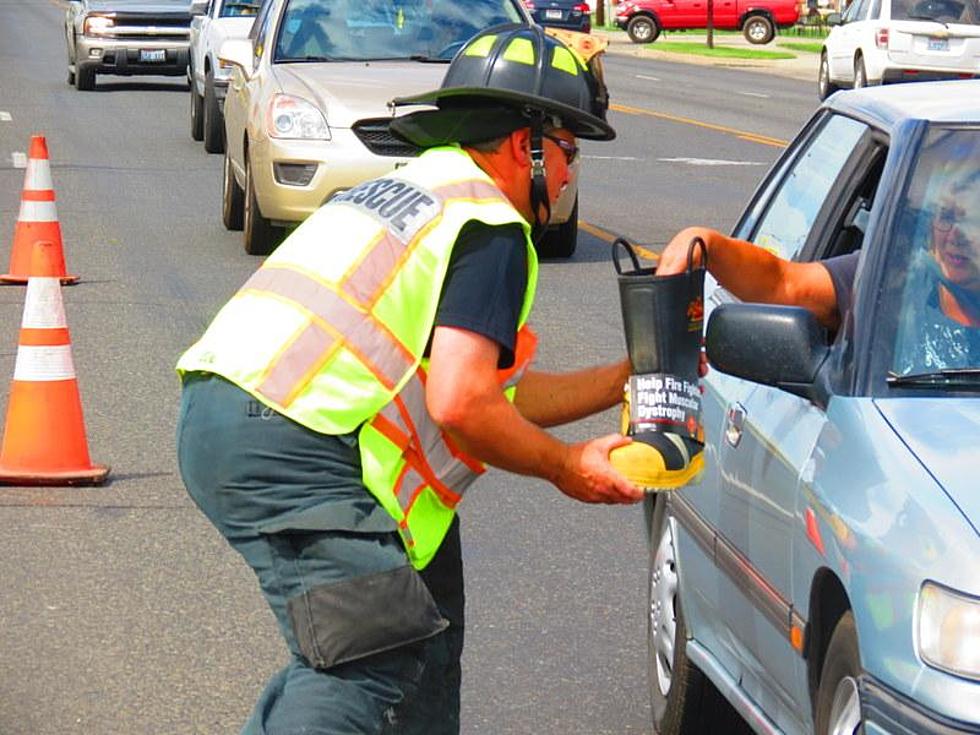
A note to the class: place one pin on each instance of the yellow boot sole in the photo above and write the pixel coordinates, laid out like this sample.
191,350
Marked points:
644,466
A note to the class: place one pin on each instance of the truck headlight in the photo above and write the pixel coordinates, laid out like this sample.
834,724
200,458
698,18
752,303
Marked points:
97,25
949,630
293,117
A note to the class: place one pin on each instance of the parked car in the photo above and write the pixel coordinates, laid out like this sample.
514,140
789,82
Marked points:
126,38
214,22
574,15
878,41
306,116
643,20
823,576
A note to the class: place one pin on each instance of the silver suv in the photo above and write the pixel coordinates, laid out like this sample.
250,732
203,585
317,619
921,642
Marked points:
126,38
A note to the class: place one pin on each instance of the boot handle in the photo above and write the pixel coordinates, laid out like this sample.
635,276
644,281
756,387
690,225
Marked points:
697,242
620,242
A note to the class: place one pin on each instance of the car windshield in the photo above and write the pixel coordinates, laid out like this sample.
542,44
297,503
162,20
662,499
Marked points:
933,276
942,11
366,30
233,9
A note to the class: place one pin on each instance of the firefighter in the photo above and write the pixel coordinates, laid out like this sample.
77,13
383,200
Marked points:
338,407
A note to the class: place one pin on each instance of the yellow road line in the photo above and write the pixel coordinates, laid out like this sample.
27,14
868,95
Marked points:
603,235
743,134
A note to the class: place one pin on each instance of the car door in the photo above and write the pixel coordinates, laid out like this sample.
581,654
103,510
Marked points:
684,13
817,208
847,41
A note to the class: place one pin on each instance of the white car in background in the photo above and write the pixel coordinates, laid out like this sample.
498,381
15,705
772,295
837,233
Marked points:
879,41
214,22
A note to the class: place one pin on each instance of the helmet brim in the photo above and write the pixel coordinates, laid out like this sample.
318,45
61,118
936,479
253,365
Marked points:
579,123
464,125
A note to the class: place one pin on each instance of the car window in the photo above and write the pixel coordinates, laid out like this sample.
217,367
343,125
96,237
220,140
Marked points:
239,8
875,12
260,27
944,11
932,275
364,30
789,218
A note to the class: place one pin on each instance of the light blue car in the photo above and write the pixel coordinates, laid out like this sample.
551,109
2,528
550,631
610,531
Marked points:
824,576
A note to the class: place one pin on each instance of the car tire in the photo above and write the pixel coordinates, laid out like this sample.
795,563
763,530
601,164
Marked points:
260,236
838,705
758,29
84,79
232,199
643,29
825,87
71,78
197,114
860,73
214,130
683,699
560,241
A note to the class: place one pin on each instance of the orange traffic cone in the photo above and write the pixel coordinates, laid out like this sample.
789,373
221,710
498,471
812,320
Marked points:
38,218
44,437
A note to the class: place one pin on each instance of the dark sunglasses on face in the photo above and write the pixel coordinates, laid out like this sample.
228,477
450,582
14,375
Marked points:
569,149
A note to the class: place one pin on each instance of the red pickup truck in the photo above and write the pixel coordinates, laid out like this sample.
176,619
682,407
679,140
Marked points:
757,19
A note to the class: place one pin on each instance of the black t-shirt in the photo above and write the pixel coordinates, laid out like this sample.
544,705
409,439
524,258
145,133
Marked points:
842,269
483,291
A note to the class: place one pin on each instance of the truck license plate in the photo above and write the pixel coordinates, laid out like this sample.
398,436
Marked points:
552,14
939,44
153,55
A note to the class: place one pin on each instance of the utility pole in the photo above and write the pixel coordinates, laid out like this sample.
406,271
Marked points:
711,23
600,13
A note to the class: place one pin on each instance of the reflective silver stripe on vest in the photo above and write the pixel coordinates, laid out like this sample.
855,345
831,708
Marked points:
374,345
367,280
409,485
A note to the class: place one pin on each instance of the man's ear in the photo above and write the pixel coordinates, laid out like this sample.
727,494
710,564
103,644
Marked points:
520,143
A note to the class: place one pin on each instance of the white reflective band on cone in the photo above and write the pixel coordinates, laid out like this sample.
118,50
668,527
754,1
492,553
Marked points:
38,175
36,363
43,305
37,212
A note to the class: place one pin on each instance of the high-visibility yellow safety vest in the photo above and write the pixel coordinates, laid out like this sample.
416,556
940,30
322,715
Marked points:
330,331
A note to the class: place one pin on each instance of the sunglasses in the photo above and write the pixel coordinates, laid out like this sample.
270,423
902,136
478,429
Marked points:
569,149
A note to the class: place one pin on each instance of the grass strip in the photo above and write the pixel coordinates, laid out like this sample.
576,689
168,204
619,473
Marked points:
718,52
809,48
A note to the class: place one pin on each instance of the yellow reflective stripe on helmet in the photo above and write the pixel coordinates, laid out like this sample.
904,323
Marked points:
520,50
480,47
565,60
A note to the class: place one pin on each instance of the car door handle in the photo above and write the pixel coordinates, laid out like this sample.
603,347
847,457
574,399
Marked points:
734,422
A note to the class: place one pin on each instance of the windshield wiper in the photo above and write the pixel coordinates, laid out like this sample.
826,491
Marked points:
305,59
929,18
948,378
428,59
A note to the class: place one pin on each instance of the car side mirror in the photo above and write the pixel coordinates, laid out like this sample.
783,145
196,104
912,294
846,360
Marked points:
238,52
199,7
782,346
833,19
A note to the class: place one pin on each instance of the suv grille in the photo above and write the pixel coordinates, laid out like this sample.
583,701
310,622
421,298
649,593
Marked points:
378,139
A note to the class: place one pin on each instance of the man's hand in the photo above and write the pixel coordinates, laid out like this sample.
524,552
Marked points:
589,477
673,259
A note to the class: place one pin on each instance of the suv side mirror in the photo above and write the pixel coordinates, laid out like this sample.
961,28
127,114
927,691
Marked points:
238,52
782,346
833,19
199,7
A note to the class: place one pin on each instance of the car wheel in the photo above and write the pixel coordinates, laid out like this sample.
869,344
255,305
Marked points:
683,700
214,131
260,236
560,241
197,114
84,79
71,78
643,29
758,29
860,74
825,87
838,707
232,199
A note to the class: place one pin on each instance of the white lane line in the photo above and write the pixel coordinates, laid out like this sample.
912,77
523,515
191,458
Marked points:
755,94
612,158
19,158
709,162
649,79
5,116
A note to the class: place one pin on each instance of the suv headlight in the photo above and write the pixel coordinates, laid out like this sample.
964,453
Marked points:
949,630
294,117
97,24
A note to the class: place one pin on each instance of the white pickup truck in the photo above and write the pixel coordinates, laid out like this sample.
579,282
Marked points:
214,21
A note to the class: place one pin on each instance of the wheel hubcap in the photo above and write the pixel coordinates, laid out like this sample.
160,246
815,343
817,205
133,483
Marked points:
663,623
845,712
758,32
643,31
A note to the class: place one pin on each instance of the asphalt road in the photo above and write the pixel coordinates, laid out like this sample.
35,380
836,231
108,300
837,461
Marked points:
122,611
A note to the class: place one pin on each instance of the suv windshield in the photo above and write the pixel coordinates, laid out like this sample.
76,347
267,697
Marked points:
933,278
239,8
941,11
366,30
